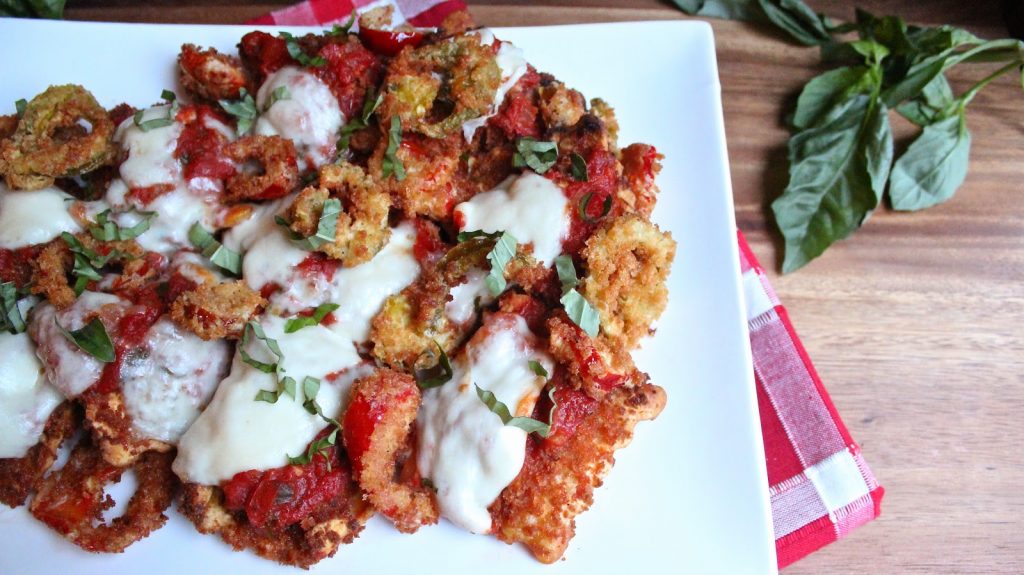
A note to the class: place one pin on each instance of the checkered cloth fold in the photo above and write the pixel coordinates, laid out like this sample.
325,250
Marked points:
820,486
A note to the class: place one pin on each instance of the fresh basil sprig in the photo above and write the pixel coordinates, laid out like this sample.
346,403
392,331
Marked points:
296,323
538,155
11,320
566,272
91,338
576,306
370,105
51,9
154,123
107,231
219,255
88,262
580,173
527,424
318,447
244,111
295,51
503,251
326,228
840,153
438,375
285,384
392,164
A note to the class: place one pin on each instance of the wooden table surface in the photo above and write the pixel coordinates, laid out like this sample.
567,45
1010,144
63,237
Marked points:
916,323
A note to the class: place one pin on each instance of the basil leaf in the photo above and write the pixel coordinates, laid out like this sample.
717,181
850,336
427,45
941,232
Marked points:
343,29
933,167
527,424
466,236
370,105
503,251
296,323
566,272
87,262
729,9
797,19
581,312
537,368
243,110
19,107
254,329
108,231
537,155
10,314
295,51
49,9
279,93
92,339
584,206
930,105
837,174
318,447
154,123
267,396
392,164
579,168
326,227
220,256
438,375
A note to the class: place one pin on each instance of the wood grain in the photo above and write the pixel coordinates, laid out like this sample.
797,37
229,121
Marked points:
916,324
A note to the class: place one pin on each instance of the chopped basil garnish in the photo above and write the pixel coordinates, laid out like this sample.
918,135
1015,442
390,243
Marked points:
585,204
370,106
438,375
295,51
343,29
502,253
566,272
579,168
466,236
251,329
10,320
581,312
537,155
220,256
392,164
537,368
154,123
108,231
325,228
527,424
88,262
279,93
244,111
296,323
92,339
20,106
318,447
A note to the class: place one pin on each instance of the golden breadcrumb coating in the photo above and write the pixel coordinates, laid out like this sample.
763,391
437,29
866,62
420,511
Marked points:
217,310
23,475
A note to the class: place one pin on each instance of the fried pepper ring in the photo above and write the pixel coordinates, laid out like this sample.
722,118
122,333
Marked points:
51,141
56,260
71,500
278,174
460,73
377,433
362,227
21,476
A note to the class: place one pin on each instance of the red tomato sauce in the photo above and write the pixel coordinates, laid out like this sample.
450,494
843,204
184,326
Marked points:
519,116
350,70
603,182
264,54
317,265
200,147
16,265
145,196
129,335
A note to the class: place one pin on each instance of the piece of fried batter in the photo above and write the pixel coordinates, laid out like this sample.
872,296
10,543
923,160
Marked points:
211,75
21,476
111,424
560,473
628,261
217,310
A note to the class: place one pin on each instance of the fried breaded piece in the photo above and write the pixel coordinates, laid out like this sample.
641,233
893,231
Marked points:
21,476
302,544
457,22
51,269
606,114
8,125
560,107
411,321
71,500
211,75
640,164
593,365
628,260
217,310
428,188
111,424
279,173
377,431
560,473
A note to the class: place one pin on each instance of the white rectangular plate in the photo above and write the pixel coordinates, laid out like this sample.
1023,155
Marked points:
689,495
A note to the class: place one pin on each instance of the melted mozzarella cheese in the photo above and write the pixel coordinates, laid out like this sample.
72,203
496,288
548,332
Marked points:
530,207
150,158
26,397
237,433
513,65
171,379
464,448
310,116
34,217
68,368
467,296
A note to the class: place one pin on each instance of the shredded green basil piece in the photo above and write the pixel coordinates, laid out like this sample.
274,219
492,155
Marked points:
466,236
152,124
527,424
254,329
92,338
566,272
243,110
108,231
579,168
392,164
537,368
279,93
539,156
295,51
343,29
325,229
502,253
438,375
50,9
370,105
88,262
581,312
585,204
19,106
318,447
296,323
220,256
267,396
10,319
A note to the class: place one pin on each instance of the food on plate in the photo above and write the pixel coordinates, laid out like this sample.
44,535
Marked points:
379,269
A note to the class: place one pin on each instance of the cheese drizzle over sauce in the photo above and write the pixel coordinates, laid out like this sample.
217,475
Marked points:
310,116
464,448
513,65
34,217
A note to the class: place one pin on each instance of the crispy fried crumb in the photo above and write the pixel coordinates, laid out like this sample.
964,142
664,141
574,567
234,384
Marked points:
21,476
217,310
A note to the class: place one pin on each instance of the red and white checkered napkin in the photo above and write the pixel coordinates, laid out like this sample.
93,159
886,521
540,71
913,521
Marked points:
820,486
